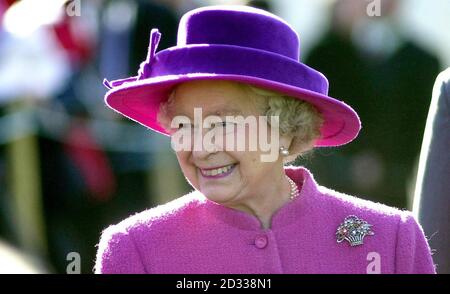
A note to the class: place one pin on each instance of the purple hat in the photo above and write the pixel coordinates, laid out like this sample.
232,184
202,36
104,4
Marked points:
235,43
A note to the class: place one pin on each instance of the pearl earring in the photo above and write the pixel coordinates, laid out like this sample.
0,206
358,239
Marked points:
284,151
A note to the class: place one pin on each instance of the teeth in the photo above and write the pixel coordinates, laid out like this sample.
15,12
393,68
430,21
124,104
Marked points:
217,171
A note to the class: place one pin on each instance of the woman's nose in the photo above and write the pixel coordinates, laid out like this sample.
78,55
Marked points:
204,143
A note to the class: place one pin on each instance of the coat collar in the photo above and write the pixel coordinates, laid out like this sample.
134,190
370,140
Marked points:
289,214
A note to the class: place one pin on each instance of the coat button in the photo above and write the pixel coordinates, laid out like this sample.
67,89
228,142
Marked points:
261,241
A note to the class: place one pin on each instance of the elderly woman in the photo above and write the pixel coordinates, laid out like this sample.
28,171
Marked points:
249,212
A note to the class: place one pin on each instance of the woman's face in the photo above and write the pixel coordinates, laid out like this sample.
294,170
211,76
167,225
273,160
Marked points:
229,176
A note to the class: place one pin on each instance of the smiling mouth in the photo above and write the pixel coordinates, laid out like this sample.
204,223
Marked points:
217,172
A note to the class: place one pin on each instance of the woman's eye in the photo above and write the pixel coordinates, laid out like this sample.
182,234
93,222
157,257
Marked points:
224,127
222,124
219,124
179,126
182,126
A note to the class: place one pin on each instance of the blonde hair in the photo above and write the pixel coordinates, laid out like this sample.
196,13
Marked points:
297,118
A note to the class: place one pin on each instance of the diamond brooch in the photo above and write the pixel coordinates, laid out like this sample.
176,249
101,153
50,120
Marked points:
353,229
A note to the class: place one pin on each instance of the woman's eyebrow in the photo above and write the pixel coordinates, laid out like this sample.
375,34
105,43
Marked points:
222,112
218,112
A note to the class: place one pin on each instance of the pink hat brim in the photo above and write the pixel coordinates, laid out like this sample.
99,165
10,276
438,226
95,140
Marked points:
140,101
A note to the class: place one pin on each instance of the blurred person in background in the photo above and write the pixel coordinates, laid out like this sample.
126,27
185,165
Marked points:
367,56
247,214
81,176
33,69
432,201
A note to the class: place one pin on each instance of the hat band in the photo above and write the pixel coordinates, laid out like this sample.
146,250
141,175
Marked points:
235,60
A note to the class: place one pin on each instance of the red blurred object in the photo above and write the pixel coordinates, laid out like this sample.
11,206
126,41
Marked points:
91,161
74,41
4,5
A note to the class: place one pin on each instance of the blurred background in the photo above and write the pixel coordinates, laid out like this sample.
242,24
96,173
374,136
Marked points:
69,166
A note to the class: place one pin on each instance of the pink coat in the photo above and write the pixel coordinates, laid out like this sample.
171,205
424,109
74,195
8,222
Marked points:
195,235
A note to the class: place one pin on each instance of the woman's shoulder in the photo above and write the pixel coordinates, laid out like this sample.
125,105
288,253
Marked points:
398,236
397,223
324,200
394,228
342,202
169,213
118,247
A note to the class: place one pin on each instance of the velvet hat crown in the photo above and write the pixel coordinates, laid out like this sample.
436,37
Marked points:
235,43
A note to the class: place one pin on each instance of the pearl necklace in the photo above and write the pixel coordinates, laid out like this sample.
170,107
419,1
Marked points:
294,189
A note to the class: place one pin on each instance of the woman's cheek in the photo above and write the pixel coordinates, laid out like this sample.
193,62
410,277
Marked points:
188,169
191,174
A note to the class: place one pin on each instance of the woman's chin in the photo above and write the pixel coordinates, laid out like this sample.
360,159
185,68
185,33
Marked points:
216,197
